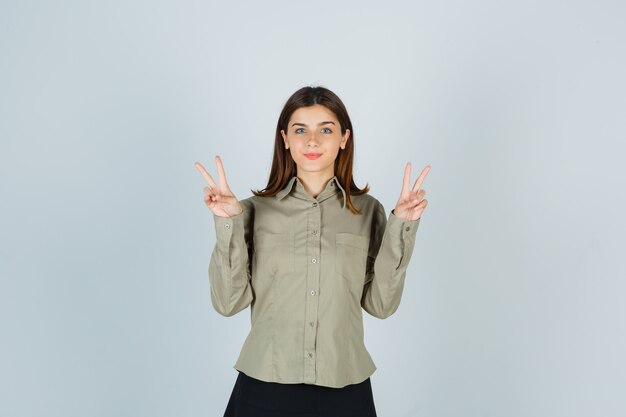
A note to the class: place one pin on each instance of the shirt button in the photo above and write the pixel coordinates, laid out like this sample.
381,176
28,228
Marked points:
312,323
310,355
407,229
314,260
314,204
227,226
312,292
314,232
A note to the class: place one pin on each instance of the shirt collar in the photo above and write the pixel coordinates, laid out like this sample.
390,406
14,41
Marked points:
332,187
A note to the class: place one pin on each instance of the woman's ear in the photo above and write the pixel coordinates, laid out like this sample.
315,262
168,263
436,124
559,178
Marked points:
345,139
282,132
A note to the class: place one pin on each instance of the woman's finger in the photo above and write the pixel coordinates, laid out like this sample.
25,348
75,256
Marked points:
416,212
421,206
420,179
407,204
419,194
220,172
406,181
209,201
205,174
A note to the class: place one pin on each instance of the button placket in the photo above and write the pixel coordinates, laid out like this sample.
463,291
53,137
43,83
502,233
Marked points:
313,281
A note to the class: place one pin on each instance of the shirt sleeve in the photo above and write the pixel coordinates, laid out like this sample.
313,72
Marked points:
229,267
393,240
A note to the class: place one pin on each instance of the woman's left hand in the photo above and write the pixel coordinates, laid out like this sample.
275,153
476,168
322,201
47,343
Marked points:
411,203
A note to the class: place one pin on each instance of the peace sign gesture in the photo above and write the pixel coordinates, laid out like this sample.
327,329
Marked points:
218,198
411,204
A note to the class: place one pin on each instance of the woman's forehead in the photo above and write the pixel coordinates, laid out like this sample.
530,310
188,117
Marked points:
312,115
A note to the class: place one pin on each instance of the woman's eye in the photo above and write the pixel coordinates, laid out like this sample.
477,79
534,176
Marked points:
325,130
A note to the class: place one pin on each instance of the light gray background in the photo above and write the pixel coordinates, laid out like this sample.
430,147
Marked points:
513,298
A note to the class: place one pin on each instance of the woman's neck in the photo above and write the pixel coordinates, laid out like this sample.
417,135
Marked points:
315,182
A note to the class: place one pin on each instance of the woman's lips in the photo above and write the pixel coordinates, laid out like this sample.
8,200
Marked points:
312,155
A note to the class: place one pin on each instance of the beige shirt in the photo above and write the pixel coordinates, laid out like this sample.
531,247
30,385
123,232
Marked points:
307,267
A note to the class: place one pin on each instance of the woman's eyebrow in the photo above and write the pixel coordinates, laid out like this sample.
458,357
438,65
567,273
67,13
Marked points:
319,124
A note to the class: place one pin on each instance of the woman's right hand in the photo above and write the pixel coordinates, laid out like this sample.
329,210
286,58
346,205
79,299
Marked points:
218,198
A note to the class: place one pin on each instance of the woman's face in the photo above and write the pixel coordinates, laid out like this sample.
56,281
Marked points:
314,137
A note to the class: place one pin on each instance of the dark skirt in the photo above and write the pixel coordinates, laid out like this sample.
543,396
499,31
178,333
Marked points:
255,398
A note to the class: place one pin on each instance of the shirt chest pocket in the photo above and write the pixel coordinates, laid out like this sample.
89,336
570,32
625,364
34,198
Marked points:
273,254
351,259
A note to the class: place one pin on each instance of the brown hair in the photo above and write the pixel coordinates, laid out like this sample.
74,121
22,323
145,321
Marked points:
283,165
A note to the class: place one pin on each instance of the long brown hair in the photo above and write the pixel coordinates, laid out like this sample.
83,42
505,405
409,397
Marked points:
283,165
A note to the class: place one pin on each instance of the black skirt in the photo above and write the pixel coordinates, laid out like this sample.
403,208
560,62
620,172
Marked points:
255,398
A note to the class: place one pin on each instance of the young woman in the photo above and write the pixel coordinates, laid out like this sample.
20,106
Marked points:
308,253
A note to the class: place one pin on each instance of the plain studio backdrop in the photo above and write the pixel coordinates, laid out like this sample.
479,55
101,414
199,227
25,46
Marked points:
513,303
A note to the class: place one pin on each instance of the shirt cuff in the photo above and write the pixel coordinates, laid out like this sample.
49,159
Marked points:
226,226
401,227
